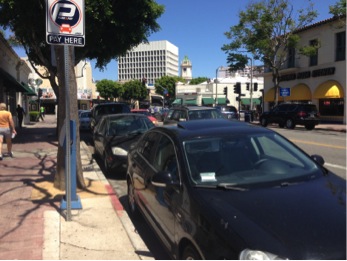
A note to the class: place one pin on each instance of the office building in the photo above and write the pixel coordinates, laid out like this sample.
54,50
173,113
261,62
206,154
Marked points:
150,61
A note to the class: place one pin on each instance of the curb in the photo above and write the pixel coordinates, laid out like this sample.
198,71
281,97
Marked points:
135,239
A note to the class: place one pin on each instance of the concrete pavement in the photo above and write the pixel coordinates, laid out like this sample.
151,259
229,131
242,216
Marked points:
32,225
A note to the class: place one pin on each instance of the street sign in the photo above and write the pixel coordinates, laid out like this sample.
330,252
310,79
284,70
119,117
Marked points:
284,92
65,22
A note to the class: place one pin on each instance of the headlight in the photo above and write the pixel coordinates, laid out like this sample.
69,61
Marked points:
249,254
119,151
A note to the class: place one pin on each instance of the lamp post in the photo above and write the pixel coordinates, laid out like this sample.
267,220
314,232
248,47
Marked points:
215,98
251,88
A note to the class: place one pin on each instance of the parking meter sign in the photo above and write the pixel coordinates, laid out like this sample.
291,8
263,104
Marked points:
65,22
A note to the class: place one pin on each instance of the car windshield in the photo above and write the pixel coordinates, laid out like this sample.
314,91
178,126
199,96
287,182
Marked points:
127,125
246,160
204,114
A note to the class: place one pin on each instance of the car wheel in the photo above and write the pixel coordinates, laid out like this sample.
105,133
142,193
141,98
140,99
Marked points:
290,124
263,122
131,200
190,253
309,126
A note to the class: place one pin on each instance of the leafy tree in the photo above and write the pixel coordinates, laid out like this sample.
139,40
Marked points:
168,83
134,90
198,80
339,9
109,89
111,28
267,31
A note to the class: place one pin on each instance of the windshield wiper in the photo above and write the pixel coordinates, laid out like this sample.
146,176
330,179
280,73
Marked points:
231,186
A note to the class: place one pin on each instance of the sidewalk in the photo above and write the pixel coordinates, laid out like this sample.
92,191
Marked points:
32,226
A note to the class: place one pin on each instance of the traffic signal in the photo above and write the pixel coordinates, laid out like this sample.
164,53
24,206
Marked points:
255,86
39,93
237,88
225,90
247,86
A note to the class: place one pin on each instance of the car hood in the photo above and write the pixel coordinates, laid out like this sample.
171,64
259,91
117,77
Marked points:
302,221
123,141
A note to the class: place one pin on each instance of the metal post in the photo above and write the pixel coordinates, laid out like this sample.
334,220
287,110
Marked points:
67,133
251,88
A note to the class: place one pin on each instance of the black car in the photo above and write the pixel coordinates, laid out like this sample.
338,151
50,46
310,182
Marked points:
229,112
188,113
113,136
291,114
102,109
218,189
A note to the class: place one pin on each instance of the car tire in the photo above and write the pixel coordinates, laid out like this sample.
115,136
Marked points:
133,209
190,253
309,126
290,124
263,122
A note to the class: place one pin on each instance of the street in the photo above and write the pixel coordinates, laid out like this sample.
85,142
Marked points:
329,144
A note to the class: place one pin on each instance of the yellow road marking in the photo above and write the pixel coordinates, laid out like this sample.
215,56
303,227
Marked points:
319,144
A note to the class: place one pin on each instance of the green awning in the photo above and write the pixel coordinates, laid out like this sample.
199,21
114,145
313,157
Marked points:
190,102
177,101
29,91
207,101
221,101
247,101
11,82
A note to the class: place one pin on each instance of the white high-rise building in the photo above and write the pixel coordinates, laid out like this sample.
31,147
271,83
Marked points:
149,60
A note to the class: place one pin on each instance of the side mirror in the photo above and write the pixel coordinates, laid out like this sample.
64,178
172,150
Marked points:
163,179
318,158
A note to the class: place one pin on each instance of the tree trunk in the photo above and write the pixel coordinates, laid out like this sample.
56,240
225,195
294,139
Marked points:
59,179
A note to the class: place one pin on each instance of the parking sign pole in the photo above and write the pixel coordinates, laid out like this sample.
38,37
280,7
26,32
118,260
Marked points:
67,135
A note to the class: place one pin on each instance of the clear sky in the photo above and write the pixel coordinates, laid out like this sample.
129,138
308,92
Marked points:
197,28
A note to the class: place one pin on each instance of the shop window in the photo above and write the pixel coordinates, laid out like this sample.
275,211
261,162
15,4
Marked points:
341,46
331,107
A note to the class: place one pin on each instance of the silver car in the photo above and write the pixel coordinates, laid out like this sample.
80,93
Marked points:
84,119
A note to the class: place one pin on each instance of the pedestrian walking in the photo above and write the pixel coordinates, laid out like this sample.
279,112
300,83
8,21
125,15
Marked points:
20,115
6,129
42,110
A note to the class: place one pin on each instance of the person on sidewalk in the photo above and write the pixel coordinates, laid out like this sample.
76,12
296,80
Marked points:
20,115
6,129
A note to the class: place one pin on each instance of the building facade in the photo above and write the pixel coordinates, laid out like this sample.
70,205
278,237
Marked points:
14,87
86,89
318,79
151,61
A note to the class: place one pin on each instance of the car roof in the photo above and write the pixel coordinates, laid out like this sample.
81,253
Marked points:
209,127
194,108
120,115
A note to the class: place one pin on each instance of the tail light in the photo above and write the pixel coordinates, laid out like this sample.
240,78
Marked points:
302,114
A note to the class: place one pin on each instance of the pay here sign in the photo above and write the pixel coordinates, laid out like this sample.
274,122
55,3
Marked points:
65,22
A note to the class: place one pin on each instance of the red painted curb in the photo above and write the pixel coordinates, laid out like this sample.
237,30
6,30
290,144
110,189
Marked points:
114,200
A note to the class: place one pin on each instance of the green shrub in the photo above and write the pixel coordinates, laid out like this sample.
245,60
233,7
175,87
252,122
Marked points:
33,115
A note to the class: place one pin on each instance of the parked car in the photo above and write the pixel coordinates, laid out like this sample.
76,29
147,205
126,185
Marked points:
188,113
147,113
113,136
218,189
84,119
107,108
291,114
229,112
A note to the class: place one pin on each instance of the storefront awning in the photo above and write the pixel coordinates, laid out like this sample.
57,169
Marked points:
177,101
10,82
29,91
221,101
247,101
190,102
207,101
328,90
